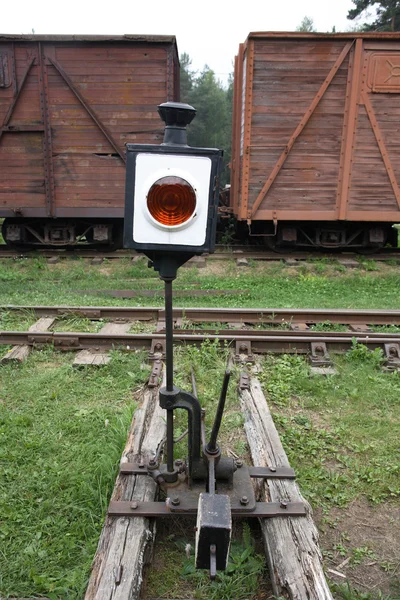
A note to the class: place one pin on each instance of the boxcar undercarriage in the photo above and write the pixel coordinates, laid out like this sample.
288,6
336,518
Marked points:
315,234
61,233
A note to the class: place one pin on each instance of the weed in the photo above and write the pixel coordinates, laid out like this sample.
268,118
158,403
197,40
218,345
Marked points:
78,323
367,264
346,592
360,553
361,353
228,235
328,326
16,320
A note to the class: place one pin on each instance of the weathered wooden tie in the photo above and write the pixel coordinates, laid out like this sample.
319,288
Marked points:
292,550
98,358
21,352
125,543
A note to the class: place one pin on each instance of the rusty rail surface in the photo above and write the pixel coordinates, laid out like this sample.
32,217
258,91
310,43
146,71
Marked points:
261,342
254,316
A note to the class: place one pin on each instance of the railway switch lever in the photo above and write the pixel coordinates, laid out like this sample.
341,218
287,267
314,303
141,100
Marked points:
170,215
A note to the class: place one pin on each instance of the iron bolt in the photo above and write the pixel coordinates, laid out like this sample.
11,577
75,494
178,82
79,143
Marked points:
134,505
283,504
179,462
272,469
175,501
152,462
239,463
244,500
243,348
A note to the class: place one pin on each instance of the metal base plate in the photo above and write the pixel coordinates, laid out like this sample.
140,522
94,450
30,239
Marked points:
189,508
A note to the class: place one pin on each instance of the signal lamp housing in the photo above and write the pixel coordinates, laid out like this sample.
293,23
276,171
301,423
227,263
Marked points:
171,194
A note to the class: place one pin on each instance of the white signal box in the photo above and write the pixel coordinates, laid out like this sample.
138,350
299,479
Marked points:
173,220
171,195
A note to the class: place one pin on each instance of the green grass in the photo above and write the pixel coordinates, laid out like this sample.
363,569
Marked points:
340,432
347,592
53,418
77,324
16,320
209,363
62,431
341,436
240,581
33,281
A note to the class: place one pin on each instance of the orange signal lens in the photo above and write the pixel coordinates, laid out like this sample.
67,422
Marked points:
171,201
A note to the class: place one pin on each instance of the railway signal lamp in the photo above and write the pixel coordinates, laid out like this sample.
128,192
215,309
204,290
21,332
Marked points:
171,197
170,215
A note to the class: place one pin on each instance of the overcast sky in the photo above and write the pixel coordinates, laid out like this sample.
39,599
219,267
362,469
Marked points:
208,30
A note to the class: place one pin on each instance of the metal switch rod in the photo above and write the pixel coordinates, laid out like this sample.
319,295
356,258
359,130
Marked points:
212,445
169,352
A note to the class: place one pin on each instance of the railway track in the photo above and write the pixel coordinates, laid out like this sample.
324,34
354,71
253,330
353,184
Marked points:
118,562
222,253
248,331
220,315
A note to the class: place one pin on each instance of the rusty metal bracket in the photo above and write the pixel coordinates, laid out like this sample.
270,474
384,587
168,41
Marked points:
243,352
129,468
157,349
37,340
244,381
66,342
319,356
392,356
272,472
155,374
299,327
118,508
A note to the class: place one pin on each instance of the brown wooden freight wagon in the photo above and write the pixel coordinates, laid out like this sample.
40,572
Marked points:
316,138
68,106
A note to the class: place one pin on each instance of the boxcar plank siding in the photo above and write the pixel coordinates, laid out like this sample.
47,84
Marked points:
121,80
307,184
289,70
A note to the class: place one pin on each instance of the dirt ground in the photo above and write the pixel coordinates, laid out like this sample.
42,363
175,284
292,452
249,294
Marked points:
362,542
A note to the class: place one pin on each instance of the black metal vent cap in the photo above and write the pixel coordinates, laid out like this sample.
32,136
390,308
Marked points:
176,116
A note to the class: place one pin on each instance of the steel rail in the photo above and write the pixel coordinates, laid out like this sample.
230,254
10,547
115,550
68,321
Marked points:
261,342
255,316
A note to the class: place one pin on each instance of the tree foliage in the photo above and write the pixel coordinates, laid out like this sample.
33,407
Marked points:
307,24
212,127
387,14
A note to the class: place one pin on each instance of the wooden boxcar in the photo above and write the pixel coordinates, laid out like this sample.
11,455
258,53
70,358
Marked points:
68,105
316,138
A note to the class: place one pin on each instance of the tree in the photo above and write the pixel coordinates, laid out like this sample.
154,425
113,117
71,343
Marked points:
307,24
387,14
186,76
212,127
